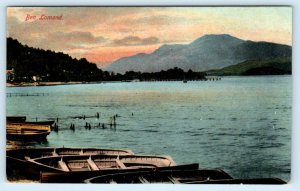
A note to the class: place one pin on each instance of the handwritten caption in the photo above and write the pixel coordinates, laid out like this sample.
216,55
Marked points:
43,17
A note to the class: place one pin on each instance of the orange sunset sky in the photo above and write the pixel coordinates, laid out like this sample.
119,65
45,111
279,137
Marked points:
105,34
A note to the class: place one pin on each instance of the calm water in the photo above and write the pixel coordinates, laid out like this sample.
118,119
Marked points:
239,124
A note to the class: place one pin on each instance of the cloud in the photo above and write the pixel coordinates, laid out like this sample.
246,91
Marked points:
75,41
104,34
166,20
77,38
135,41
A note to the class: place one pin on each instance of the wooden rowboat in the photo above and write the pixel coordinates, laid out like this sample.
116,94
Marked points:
15,119
86,164
94,163
27,131
22,120
25,134
186,176
99,162
162,176
18,166
81,176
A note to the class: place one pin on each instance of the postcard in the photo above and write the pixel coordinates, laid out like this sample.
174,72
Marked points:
143,95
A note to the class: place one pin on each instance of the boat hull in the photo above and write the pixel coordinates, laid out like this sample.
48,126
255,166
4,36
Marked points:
27,136
241,181
80,177
18,166
174,176
16,119
94,163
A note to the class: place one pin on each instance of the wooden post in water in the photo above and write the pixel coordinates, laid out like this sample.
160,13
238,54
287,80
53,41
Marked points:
72,127
55,127
114,121
110,122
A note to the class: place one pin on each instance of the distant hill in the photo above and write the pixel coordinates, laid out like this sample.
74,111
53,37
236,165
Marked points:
205,53
44,65
276,66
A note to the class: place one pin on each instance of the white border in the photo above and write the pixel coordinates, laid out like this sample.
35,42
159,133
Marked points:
293,185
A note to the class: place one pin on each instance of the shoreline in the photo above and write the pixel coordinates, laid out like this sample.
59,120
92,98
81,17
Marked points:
23,84
209,78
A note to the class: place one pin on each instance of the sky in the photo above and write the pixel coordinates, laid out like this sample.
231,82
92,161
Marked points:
105,34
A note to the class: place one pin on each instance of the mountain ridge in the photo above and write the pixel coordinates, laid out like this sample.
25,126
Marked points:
274,66
212,51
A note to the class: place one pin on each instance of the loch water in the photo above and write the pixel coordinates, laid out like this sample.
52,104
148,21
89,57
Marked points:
239,124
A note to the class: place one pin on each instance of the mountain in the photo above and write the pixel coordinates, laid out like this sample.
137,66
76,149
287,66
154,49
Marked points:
274,66
205,53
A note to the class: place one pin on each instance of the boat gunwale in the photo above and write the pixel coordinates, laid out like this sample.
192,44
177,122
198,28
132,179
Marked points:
37,161
12,153
93,157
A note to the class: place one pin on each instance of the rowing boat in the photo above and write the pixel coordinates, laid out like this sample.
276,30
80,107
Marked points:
181,176
17,159
16,119
26,134
162,176
81,176
99,162
27,131
88,163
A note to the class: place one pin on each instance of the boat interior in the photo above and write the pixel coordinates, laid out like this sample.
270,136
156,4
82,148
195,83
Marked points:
101,162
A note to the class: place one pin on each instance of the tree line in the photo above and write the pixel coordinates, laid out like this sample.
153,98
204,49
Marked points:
34,64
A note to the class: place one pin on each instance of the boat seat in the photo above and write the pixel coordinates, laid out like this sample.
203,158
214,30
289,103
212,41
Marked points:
121,165
143,180
81,152
92,164
173,180
54,153
63,166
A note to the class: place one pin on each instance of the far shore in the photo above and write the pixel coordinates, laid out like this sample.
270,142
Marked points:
23,84
209,78
40,84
